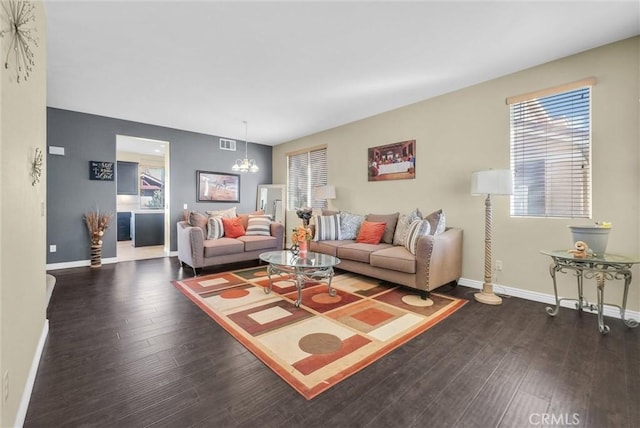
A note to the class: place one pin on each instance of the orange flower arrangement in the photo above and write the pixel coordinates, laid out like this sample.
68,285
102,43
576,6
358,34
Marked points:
300,233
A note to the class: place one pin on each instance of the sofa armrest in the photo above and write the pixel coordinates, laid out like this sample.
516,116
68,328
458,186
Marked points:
190,245
277,231
439,259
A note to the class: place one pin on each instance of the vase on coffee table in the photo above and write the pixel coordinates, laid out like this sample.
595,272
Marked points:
303,247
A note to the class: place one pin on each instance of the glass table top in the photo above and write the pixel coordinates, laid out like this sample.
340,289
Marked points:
606,258
310,260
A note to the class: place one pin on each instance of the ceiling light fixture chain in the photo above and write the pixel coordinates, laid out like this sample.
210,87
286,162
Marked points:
246,164
20,14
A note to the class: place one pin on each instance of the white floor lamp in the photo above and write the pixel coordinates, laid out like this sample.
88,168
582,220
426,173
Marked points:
490,182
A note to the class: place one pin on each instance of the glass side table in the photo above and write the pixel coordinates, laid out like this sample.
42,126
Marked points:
607,267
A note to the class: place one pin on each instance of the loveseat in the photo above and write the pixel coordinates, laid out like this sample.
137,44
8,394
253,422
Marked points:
433,259
200,245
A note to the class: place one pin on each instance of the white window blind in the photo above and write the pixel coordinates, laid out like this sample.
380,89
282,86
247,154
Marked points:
306,171
551,155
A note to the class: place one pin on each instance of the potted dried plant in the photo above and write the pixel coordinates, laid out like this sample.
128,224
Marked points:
97,224
595,236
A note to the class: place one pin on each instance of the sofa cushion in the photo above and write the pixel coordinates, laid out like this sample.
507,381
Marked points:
403,225
417,229
327,228
228,213
233,227
259,225
350,225
371,232
222,246
395,258
329,247
215,229
253,243
198,219
391,220
437,221
358,252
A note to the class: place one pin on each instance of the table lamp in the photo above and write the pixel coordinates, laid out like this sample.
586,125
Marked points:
325,193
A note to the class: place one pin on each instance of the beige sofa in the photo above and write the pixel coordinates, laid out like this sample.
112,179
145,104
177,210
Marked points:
198,252
437,260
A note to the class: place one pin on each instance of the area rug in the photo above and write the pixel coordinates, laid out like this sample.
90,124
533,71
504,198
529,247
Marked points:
328,338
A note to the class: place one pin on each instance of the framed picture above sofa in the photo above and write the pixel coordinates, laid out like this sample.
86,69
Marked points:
395,161
217,187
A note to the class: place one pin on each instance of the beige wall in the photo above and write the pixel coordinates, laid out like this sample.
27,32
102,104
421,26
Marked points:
468,130
22,222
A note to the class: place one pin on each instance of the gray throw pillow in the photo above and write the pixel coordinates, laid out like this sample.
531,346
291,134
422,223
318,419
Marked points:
350,225
437,222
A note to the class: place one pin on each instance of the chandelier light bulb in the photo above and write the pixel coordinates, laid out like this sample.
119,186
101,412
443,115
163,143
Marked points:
246,164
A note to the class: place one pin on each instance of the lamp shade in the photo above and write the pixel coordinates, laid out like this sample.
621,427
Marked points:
325,192
492,182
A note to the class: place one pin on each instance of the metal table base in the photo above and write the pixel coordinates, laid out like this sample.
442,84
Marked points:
607,268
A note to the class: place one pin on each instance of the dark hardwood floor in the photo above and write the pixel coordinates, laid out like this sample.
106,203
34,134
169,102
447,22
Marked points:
127,349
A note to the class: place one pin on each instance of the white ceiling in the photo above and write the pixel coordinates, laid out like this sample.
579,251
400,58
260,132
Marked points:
296,68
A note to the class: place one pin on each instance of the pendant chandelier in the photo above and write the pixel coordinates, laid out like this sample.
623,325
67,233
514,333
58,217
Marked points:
246,164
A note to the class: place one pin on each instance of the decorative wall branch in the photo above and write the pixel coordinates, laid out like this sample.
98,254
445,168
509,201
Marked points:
36,167
21,36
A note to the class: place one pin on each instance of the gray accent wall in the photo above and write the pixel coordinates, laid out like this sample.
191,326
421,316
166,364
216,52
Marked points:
87,137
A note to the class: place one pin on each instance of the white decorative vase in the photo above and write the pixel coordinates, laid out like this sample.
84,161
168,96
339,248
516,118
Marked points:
594,236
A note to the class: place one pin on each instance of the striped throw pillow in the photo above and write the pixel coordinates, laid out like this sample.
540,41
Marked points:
215,229
415,231
327,228
259,225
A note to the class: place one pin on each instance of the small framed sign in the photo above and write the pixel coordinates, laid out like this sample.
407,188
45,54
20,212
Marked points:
101,171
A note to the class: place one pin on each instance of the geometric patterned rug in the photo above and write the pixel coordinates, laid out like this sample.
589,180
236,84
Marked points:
328,338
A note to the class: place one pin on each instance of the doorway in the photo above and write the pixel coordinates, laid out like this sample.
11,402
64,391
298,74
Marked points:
142,172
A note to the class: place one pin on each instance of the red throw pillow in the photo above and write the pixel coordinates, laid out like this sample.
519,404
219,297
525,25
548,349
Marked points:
233,227
370,232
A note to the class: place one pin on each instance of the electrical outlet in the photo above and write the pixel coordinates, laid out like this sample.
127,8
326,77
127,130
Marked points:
498,264
5,386
53,248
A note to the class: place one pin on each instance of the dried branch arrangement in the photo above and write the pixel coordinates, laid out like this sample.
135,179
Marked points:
97,224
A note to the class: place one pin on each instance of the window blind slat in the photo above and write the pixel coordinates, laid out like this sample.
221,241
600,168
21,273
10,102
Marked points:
550,155
306,171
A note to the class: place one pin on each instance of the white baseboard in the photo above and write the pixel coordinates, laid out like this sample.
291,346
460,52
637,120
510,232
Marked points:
78,263
81,263
31,378
609,311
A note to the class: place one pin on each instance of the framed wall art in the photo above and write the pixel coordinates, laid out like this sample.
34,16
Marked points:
103,171
217,187
395,161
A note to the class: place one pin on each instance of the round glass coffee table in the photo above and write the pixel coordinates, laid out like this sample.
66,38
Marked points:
310,267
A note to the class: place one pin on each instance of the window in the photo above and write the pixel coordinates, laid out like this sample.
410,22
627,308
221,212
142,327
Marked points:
551,153
306,171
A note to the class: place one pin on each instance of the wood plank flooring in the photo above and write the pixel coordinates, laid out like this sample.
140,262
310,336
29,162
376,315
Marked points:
127,349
